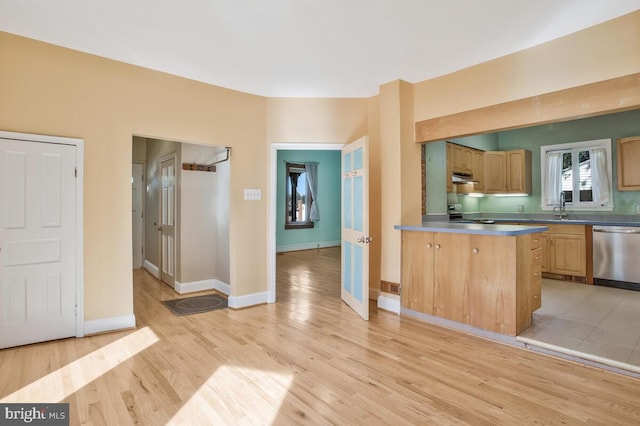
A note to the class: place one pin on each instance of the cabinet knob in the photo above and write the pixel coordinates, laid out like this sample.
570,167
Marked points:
475,250
536,297
428,245
437,246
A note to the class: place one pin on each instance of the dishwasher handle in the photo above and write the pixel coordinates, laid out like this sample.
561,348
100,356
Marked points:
617,231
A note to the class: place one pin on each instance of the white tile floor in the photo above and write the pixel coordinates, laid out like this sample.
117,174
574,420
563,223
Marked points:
594,320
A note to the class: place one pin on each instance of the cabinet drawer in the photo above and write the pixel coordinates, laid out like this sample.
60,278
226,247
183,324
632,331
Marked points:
536,295
565,229
536,241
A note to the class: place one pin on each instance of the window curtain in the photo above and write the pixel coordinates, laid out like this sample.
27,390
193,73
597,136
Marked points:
600,177
311,168
553,179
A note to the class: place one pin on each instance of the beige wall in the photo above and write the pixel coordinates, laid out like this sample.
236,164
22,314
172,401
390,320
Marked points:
51,90
599,53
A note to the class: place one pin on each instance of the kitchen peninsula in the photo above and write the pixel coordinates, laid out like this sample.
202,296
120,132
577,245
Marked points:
485,276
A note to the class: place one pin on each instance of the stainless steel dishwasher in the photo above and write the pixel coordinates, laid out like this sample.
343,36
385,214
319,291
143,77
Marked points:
616,256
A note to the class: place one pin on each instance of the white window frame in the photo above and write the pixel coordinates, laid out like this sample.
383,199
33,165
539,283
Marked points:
576,146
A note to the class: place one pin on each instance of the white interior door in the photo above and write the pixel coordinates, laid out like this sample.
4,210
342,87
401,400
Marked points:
167,221
37,242
355,226
137,213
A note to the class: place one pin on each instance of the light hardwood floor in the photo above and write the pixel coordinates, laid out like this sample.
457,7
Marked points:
306,359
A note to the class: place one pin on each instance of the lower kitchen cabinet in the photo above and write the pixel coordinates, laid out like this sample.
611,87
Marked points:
481,280
566,247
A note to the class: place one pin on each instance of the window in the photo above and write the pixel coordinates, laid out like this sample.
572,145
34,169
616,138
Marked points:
298,198
580,172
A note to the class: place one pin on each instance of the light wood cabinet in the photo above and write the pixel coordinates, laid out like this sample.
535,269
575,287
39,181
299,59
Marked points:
507,172
480,280
628,153
495,172
417,271
478,170
449,166
566,246
462,159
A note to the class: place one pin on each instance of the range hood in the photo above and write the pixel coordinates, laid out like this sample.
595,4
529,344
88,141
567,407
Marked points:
462,178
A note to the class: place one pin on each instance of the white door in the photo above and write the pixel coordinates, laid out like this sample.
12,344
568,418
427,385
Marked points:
37,242
355,226
137,214
167,221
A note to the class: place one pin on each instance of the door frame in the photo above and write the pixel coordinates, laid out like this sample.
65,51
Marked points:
144,186
79,193
273,192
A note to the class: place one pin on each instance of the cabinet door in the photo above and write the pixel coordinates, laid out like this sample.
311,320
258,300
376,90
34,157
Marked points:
451,277
449,167
628,152
568,255
462,159
495,171
478,171
519,171
493,283
417,271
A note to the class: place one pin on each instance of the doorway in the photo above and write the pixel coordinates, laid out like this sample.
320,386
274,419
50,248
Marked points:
186,213
273,202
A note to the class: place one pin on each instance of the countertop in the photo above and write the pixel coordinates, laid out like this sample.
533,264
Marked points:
602,220
474,228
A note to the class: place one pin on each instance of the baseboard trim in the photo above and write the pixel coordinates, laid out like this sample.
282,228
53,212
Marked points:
153,269
212,284
239,302
307,246
102,325
389,303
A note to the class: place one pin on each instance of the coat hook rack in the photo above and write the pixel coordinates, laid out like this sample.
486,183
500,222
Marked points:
211,167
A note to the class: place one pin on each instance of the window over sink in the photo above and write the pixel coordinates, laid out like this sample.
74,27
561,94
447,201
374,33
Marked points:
577,175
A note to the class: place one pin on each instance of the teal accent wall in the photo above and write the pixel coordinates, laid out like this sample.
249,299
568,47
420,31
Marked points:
328,229
611,126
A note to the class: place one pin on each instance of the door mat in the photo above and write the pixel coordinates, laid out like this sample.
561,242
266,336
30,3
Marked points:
196,304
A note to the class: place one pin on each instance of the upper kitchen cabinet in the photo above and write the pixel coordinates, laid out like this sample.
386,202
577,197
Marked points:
507,172
628,158
478,170
462,159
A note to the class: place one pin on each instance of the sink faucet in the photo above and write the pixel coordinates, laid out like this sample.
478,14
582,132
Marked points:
561,211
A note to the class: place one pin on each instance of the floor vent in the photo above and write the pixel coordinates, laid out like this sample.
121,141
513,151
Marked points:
389,287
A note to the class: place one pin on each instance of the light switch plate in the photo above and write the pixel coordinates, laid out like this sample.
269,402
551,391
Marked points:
252,194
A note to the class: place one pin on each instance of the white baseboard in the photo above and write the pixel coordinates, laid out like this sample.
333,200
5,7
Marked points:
307,246
109,324
212,284
153,269
238,302
389,303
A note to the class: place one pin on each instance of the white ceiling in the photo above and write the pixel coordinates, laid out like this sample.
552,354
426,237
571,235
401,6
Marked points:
304,48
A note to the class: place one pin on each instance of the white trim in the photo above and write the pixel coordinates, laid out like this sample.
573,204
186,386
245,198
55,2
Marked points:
153,269
580,145
578,354
79,211
238,302
212,284
101,325
273,178
388,303
308,246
